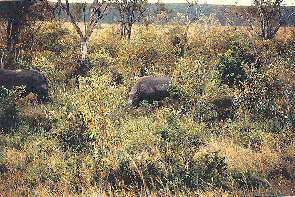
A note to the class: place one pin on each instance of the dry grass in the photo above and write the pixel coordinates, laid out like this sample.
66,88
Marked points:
242,159
139,134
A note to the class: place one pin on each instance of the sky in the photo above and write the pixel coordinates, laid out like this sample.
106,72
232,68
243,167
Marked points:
219,2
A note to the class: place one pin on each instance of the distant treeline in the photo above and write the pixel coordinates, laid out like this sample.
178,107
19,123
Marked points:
224,13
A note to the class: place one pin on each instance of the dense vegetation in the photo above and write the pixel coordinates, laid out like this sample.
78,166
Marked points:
230,127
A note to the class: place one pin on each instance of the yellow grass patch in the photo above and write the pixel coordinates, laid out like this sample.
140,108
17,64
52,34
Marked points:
242,159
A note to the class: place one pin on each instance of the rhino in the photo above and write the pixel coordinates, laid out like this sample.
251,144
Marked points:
33,81
150,89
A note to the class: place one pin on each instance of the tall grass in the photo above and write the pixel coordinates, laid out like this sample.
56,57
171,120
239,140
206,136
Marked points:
89,142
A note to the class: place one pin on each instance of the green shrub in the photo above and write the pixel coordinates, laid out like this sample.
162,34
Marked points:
231,70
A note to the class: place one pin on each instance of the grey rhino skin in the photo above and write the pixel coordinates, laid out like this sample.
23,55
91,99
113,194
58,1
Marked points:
150,89
33,81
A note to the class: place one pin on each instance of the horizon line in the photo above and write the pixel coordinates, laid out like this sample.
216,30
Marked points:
199,2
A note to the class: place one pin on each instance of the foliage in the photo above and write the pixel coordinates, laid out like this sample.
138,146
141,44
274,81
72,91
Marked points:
228,127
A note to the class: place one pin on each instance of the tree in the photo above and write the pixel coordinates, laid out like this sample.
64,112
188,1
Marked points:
16,15
161,13
192,10
264,14
97,11
130,12
264,17
269,17
180,41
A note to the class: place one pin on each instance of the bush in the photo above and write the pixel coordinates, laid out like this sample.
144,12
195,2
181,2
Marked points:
231,69
228,126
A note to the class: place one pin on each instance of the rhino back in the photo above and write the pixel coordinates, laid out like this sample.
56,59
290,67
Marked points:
156,83
154,88
10,78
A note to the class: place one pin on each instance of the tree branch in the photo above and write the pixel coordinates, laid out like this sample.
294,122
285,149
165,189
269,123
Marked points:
66,8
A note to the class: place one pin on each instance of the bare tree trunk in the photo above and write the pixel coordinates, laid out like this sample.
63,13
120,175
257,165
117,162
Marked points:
129,30
2,59
122,29
84,49
269,16
97,12
131,11
13,33
268,29
123,24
